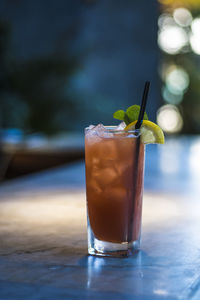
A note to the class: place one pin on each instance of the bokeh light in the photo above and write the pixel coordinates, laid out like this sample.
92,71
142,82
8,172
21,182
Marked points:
165,20
177,80
169,119
196,26
182,16
179,39
195,43
170,97
195,36
172,39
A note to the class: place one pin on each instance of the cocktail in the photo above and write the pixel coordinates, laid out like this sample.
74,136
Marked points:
114,159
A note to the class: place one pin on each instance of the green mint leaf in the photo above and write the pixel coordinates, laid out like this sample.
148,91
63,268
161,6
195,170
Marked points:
126,119
119,115
133,113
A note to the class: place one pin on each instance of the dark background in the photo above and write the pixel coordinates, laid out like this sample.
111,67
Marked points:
67,64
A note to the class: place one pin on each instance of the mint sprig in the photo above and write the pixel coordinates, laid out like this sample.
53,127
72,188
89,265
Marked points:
130,115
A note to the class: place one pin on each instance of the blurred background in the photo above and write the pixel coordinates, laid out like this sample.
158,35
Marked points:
67,64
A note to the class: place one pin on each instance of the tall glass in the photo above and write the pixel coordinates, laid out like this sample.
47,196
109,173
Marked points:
114,163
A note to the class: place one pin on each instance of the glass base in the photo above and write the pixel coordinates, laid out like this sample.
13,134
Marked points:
102,248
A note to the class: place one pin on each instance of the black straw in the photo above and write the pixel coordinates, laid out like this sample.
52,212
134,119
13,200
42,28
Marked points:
133,204
143,105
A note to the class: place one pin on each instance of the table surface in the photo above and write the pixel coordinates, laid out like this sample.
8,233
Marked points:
43,248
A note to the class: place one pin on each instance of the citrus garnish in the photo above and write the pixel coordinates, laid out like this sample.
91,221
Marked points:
150,132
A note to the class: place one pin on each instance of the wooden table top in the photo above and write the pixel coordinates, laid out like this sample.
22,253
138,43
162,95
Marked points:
43,240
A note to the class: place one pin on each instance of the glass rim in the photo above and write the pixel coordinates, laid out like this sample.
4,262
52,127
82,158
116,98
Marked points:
112,129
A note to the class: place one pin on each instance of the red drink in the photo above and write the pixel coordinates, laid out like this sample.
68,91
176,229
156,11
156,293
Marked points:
114,185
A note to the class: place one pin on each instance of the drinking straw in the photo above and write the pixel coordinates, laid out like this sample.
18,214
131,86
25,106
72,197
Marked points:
136,157
143,105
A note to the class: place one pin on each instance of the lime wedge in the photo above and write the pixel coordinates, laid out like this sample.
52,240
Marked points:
151,133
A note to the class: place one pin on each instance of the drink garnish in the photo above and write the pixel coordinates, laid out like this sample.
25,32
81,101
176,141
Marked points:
151,133
136,118
130,115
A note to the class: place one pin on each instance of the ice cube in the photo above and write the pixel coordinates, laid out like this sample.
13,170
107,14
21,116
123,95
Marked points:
92,133
106,176
107,151
95,129
94,186
103,132
91,127
99,129
121,126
